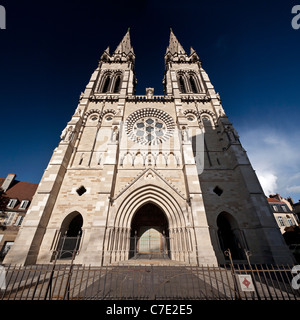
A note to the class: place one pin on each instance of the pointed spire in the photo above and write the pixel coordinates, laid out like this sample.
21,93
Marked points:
125,45
174,44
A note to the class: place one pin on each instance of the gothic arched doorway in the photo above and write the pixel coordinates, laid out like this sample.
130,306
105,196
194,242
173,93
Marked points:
70,236
149,233
230,236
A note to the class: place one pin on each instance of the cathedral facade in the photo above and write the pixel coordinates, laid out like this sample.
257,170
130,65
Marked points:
139,175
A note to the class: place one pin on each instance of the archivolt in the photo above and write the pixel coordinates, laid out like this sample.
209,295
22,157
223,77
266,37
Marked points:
97,111
198,114
156,195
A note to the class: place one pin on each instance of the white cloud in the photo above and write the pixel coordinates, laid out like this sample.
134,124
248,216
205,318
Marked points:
268,181
275,156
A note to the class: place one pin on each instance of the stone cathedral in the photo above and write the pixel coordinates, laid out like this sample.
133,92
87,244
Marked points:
139,175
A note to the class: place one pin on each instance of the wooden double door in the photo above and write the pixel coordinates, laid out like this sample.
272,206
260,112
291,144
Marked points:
151,240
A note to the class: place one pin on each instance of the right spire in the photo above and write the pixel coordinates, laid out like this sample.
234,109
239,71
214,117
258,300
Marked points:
174,44
176,53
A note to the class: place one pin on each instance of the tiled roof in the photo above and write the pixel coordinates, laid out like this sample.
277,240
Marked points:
273,200
20,190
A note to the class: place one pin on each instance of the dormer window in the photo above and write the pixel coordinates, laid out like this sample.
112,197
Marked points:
24,204
12,203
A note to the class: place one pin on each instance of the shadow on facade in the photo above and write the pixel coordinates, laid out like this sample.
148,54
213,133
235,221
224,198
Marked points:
224,228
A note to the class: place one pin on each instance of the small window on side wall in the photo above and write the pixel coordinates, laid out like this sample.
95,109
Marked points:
81,190
24,204
12,203
218,191
19,221
280,220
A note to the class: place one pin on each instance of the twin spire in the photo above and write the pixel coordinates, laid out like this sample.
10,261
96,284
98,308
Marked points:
176,53
124,51
174,45
125,45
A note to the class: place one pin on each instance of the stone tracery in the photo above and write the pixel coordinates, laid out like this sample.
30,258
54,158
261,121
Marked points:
149,126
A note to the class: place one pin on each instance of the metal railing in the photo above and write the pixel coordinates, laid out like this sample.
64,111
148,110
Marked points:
76,282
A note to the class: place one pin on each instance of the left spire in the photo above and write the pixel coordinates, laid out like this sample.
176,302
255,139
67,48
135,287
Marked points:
123,52
125,45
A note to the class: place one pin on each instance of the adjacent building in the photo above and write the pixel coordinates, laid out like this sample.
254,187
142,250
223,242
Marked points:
16,197
283,212
296,207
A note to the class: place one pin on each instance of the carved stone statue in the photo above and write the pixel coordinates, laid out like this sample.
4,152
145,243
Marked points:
184,134
63,134
221,113
115,135
67,134
149,92
78,113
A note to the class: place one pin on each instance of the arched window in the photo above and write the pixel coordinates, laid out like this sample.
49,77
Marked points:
106,84
182,85
193,84
117,84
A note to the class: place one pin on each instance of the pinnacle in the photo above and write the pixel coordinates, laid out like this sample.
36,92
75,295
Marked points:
125,45
174,44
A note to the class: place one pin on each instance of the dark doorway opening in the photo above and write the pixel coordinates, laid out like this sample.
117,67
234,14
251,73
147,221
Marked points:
70,236
230,237
149,238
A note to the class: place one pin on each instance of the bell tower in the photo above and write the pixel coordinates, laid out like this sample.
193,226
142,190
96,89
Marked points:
117,70
87,148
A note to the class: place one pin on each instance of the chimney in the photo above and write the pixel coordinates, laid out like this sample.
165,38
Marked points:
8,181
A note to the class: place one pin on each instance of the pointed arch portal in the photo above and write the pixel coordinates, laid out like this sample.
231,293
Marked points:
149,233
149,218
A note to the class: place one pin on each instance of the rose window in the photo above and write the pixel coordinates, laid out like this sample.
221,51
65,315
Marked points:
149,126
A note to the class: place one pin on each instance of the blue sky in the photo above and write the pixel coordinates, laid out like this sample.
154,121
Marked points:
249,50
